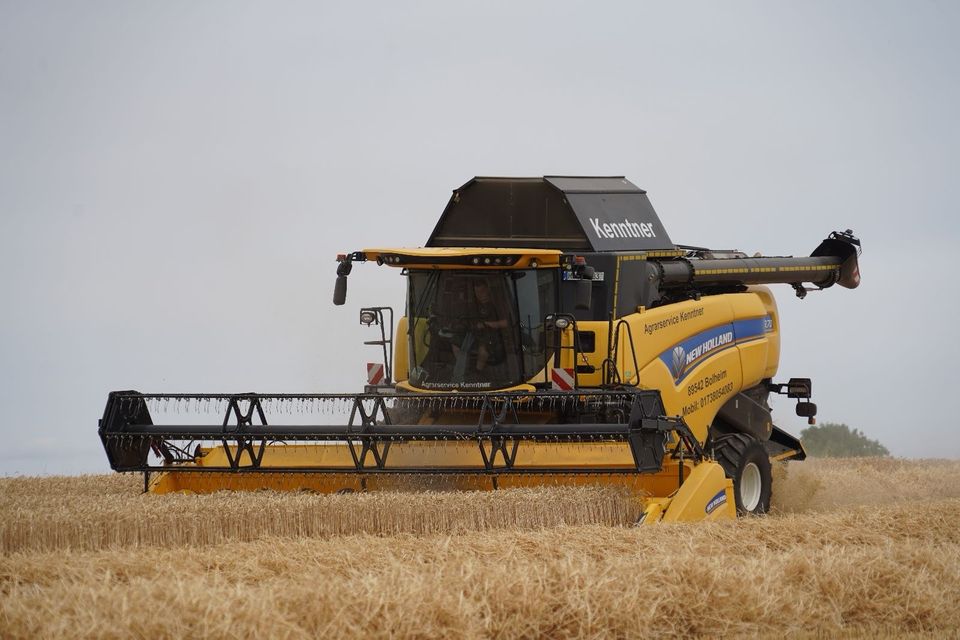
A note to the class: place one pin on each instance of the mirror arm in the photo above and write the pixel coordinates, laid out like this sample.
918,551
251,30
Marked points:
344,266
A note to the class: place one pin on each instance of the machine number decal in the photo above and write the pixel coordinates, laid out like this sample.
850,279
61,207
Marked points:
716,501
598,276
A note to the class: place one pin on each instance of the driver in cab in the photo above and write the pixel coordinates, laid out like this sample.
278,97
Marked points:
490,321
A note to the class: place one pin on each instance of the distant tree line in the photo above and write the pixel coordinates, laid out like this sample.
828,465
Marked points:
832,440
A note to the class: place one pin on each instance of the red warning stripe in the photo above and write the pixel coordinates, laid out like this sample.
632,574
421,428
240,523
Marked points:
562,379
374,372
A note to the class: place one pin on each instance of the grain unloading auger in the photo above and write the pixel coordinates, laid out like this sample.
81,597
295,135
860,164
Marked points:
553,334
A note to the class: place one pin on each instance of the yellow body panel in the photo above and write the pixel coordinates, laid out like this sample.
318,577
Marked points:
718,376
705,495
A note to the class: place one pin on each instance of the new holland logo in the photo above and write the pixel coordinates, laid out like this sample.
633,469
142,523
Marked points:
684,357
679,361
716,501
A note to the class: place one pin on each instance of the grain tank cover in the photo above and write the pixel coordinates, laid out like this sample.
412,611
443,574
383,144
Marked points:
570,213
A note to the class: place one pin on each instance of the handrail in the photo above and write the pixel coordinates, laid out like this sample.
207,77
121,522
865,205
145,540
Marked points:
611,363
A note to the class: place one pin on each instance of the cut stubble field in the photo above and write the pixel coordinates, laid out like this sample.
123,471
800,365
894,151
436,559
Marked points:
857,548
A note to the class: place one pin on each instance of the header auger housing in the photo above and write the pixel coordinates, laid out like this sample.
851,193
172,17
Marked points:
553,333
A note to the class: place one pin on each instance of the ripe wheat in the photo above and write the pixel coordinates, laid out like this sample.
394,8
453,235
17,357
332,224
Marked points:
858,548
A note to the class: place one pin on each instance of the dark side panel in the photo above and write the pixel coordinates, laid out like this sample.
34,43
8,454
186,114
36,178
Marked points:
508,212
784,446
747,414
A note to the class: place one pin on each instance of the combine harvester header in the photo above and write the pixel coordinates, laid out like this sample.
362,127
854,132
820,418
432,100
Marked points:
553,334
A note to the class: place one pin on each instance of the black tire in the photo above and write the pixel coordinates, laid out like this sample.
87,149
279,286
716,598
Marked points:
744,459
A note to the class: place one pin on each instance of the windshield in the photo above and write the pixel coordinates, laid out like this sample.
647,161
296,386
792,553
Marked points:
479,329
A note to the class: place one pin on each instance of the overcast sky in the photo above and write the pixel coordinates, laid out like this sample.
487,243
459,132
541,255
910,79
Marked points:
177,177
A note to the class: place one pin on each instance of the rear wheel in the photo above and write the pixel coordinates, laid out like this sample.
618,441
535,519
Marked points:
744,460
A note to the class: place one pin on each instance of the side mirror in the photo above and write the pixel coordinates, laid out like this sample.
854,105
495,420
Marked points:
806,409
585,289
340,288
340,291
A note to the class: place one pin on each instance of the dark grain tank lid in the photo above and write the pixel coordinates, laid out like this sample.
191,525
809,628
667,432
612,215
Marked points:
571,213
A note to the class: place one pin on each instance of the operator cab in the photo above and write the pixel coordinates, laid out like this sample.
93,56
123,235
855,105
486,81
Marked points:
508,257
479,329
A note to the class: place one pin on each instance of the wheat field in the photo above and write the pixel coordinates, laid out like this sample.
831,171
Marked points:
854,548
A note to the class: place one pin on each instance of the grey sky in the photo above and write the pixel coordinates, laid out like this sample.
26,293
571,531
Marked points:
176,178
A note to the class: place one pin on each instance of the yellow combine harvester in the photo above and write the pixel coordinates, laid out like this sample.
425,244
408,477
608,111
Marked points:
553,334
